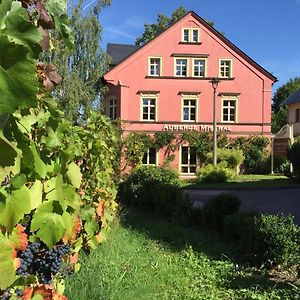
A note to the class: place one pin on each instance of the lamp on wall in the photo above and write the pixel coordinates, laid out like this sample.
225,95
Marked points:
214,82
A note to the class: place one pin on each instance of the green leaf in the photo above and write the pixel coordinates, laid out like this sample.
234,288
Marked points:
87,213
91,227
8,151
20,30
49,222
39,166
16,206
74,175
18,77
18,180
6,264
36,194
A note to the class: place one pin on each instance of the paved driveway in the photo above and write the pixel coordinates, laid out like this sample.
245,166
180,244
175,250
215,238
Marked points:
283,200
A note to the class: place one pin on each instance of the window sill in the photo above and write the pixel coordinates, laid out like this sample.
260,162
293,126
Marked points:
190,43
187,78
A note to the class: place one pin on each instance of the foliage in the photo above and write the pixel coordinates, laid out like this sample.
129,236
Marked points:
216,208
284,92
232,157
294,157
279,118
83,66
255,153
164,139
136,144
277,240
155,188
163,22
44,182
213,174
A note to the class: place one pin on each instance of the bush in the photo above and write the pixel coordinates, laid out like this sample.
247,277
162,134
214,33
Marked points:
264,239
294,157
155,189
211,174
233,157
216,208
277,240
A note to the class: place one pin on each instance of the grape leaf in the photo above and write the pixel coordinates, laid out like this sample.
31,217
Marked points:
36,193
20,30
74,175
18,78
49,222
8,151
6,264
16,206
40,166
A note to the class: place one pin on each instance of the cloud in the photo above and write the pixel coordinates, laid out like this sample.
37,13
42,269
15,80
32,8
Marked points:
119,31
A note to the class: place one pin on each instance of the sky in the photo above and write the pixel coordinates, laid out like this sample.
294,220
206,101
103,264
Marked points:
266,30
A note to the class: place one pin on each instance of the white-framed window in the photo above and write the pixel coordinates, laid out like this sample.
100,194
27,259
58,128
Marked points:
190,35
189,107
225,68
112,108
181,67
148,112
154,66
229,110
199,67
186,35
149,157
188,161
195,38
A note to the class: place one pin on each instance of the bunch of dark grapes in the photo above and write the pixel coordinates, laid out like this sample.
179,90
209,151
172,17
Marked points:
5,295
44,263
8,292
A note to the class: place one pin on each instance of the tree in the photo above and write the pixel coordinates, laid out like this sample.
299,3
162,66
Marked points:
81,68
279,114
284,92
163,22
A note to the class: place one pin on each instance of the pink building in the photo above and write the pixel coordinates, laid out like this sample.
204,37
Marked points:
165,85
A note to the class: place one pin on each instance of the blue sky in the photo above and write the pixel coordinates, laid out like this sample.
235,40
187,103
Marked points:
267,30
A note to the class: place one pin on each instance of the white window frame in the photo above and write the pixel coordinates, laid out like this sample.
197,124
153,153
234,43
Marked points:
190,35
230,75
181,165
148,158
193,66
182,35
160,65
175,66
189,97
112,104
152,97
235,100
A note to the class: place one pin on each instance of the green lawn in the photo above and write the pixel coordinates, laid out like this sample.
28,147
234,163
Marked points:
245,181
147,257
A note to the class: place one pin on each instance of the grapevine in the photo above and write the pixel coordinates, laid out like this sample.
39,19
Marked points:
50,203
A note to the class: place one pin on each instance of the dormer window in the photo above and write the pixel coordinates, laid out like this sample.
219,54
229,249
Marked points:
190,35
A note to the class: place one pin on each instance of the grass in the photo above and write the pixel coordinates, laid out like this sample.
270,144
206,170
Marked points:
148,257
245,182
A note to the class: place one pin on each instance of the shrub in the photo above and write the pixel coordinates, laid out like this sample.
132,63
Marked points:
155,189
233,157
264,239
294,157
215,174
216,208
277,240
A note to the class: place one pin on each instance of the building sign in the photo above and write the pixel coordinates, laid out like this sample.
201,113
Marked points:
205,128
280,146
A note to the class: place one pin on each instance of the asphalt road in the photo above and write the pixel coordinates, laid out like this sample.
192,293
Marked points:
272,201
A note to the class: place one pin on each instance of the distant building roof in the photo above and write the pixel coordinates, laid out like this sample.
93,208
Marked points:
294,98
119,52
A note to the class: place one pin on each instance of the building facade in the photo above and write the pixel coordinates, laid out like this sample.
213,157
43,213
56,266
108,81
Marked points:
165,85
293,104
